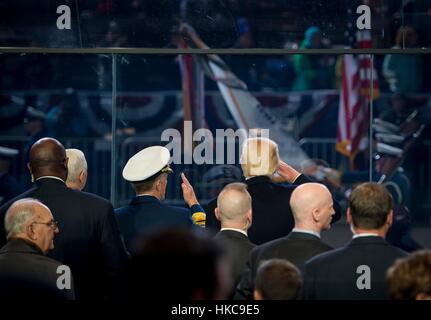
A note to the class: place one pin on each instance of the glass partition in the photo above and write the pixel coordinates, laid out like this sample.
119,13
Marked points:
68,97
241,24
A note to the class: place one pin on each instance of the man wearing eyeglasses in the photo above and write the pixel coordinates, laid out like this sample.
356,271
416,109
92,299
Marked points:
25,270
148,172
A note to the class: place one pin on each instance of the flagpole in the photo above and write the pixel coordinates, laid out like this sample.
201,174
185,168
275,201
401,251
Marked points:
370,142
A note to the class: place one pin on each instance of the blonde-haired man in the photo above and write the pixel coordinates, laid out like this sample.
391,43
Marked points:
263,171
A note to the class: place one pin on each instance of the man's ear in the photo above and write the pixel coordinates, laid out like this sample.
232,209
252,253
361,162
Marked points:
316,214
29,168
349,216
30,233
81,177
390,218
217,213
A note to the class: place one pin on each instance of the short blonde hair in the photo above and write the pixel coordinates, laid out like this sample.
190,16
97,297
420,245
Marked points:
259,157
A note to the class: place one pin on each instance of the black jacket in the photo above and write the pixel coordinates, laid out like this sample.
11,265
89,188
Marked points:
272,216
146,213
297,247
238,247
89,241
342,273
25,273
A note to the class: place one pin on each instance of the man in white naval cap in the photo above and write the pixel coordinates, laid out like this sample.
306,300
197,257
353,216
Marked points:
148,172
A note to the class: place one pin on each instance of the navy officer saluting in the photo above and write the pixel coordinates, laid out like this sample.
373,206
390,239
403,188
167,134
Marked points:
148,172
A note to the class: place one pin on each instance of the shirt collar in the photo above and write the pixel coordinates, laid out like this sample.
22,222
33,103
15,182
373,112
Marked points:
314,233
361,235
50,177
237,230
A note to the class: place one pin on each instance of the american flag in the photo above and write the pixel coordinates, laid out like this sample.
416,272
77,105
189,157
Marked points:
353,114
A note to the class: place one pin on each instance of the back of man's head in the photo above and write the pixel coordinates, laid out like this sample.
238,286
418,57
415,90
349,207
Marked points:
19,214
77,169
277,279
234,205
312,206
409,278
369,205
259,157
48,158
178,263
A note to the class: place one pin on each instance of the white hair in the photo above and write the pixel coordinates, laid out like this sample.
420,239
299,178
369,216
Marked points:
19,214
75,165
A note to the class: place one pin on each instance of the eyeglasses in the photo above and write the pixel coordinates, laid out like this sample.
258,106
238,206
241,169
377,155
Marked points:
52,224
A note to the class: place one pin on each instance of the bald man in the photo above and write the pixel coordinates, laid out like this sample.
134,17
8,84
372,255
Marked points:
235,215
89,241
25,271
312,209
77,169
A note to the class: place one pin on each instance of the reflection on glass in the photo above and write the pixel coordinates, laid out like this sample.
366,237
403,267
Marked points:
219,23
56,96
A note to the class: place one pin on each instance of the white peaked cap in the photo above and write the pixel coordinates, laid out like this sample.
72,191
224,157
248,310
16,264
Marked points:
146,163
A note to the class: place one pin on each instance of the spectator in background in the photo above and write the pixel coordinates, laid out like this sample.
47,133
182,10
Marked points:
77,169
403,72
9,187
66,119
177,264
34,123
313,71
25,270
410,278
235,215
277,279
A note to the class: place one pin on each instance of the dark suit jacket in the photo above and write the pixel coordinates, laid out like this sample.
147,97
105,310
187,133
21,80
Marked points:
26,273
335,274
89,241
146,213
272,216
297,247
238,247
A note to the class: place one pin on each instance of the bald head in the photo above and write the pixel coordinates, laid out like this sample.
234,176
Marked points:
48,158
234,205
77,169
312,206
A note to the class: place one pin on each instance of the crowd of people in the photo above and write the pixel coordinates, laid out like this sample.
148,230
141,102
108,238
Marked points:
256,240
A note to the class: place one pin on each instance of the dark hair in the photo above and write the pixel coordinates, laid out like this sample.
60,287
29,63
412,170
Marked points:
175,263
370,204
410,276
278,279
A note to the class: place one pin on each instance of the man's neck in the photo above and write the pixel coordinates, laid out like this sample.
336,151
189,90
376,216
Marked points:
304,226
49,176
149,193
378,232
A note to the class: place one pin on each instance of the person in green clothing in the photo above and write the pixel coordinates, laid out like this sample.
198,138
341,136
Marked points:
312,71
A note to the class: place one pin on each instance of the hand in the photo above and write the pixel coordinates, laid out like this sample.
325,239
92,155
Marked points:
288,173
188,192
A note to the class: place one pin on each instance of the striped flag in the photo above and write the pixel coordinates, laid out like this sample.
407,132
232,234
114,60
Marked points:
353,114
